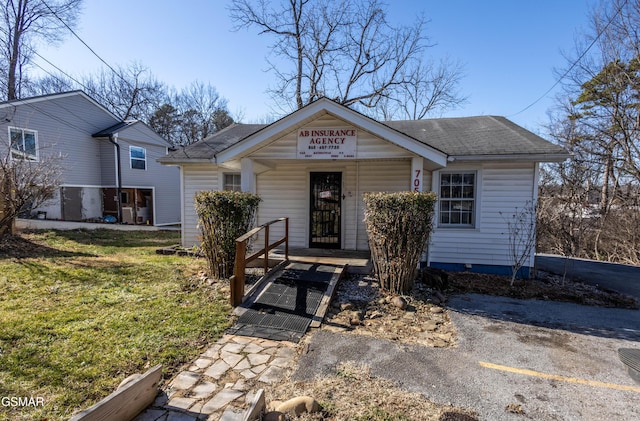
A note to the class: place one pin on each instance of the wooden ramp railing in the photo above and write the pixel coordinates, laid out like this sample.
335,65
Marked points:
238,279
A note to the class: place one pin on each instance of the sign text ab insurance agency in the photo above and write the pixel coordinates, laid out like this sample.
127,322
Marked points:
327,143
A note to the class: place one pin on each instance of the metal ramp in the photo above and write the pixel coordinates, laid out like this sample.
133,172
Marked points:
631,359
288,302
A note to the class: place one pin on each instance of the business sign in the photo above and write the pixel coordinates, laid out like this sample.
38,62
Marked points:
327,143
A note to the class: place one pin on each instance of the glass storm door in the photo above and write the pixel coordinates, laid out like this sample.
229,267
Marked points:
326,199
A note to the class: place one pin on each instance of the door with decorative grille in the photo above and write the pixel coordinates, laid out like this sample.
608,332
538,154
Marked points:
326,200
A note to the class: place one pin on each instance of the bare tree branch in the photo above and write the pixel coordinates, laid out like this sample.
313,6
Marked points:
25,183
346,51
24,22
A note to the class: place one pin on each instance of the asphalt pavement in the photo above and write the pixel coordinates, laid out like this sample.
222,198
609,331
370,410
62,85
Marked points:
557,360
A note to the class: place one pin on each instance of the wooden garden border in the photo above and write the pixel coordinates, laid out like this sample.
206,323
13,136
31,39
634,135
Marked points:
126,402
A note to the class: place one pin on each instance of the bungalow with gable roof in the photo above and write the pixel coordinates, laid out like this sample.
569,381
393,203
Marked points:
314,165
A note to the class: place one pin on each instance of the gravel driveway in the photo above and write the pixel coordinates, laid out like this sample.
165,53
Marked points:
557,361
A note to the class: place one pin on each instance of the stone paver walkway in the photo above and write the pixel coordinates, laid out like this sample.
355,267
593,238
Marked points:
221,382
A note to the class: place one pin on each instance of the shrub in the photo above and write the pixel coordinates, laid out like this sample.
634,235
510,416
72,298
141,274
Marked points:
398,225
224,216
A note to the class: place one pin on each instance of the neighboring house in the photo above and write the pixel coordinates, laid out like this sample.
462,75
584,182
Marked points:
104,159
314,165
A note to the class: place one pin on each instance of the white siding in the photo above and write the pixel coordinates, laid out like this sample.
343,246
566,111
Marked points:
285,193
502,188
195,178
380,176
368,147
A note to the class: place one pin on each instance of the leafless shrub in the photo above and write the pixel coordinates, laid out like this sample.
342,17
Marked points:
521,226
25,184
398,225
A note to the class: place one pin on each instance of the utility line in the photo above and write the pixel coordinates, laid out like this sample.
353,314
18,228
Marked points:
575,63
87,45
115,72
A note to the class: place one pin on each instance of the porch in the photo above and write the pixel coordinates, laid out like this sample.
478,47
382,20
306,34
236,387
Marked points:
356,261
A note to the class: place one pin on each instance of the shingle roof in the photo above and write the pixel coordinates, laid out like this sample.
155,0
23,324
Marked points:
463,136
469,136
207,148
113,129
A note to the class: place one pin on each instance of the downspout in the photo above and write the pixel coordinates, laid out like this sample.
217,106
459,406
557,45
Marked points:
113,138
357,200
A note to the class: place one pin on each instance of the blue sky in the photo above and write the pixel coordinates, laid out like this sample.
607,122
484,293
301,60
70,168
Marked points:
509,48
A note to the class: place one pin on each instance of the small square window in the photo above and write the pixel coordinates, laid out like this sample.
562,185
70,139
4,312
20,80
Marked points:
24,143
232,182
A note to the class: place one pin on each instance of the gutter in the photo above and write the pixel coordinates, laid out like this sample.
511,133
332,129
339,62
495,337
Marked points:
113,138
557,157
186,161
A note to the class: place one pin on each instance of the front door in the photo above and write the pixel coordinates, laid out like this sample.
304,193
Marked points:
326,200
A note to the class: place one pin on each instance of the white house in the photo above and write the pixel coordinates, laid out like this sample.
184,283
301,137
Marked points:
314,165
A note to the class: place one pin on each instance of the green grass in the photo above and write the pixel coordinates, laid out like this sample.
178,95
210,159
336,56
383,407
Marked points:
89,308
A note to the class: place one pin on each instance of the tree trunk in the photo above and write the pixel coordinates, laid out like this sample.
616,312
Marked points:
8,226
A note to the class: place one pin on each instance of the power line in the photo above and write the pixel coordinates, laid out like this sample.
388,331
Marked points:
86,45
115,72
575,63
58,78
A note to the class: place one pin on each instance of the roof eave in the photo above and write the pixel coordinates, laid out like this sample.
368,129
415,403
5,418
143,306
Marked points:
342,112
181,161
539,157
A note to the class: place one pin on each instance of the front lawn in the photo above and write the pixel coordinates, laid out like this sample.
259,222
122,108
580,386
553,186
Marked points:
82,310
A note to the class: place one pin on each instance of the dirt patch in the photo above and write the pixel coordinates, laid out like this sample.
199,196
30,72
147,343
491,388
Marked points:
545,287
352,394
361,307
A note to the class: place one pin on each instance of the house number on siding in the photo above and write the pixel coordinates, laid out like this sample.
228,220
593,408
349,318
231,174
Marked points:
417,180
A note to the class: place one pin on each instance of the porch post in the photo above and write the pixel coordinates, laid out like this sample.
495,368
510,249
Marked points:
247,177
417,175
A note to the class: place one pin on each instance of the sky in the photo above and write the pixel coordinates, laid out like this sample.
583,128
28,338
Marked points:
509,49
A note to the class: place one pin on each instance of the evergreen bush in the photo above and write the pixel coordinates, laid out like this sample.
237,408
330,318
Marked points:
224,216
398,226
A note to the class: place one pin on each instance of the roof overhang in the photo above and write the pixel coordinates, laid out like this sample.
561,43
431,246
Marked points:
316,109
558,157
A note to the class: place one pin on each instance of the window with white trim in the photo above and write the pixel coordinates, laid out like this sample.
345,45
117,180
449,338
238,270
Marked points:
231,182
24,143
138,157
457,199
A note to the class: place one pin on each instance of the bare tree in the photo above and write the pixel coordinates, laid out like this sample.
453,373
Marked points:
50,84
25,182
130,92
196,112
346,51
203,112
601,105
431,89
24,23
134,93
